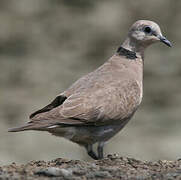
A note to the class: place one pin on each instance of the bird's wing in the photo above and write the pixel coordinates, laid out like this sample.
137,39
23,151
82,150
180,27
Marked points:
100,106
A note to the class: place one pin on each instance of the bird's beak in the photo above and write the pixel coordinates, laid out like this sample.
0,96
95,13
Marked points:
165,41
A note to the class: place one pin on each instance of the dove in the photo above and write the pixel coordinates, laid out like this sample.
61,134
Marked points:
98,105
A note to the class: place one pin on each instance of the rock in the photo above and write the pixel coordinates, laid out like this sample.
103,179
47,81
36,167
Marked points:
55,172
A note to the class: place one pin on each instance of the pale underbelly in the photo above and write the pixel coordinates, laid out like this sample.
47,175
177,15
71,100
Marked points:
84,135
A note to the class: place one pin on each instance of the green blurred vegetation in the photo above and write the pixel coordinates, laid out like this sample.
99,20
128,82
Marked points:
45,45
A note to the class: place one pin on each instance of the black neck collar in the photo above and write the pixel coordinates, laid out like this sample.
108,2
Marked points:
127,53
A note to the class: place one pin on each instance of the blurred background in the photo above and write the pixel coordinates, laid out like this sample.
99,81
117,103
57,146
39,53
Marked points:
46,45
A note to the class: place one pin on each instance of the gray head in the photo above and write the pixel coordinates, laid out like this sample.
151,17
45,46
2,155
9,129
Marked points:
142,34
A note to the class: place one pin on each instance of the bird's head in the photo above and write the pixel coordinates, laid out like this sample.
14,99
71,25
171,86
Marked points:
144,33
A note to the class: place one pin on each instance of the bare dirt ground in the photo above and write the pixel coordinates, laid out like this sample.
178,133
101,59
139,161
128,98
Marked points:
112,167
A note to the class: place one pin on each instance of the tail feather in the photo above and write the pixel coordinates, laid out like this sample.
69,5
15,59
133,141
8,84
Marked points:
27,127
22,128
41,126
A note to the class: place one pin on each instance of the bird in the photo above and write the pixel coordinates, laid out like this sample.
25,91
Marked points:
98,105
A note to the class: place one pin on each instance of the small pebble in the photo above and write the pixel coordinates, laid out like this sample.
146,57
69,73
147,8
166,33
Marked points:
102,174
54,172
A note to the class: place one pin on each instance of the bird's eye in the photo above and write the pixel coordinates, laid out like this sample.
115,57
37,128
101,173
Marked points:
147,29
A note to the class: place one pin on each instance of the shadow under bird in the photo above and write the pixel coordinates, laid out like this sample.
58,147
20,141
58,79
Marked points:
100,104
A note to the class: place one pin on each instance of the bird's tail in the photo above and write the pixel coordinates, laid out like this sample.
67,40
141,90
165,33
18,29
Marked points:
17,129
28,126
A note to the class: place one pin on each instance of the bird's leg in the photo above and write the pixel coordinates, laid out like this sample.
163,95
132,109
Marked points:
100,150
90,152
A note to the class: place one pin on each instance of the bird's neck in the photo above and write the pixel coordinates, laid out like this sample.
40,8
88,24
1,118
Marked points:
127,53
134,47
